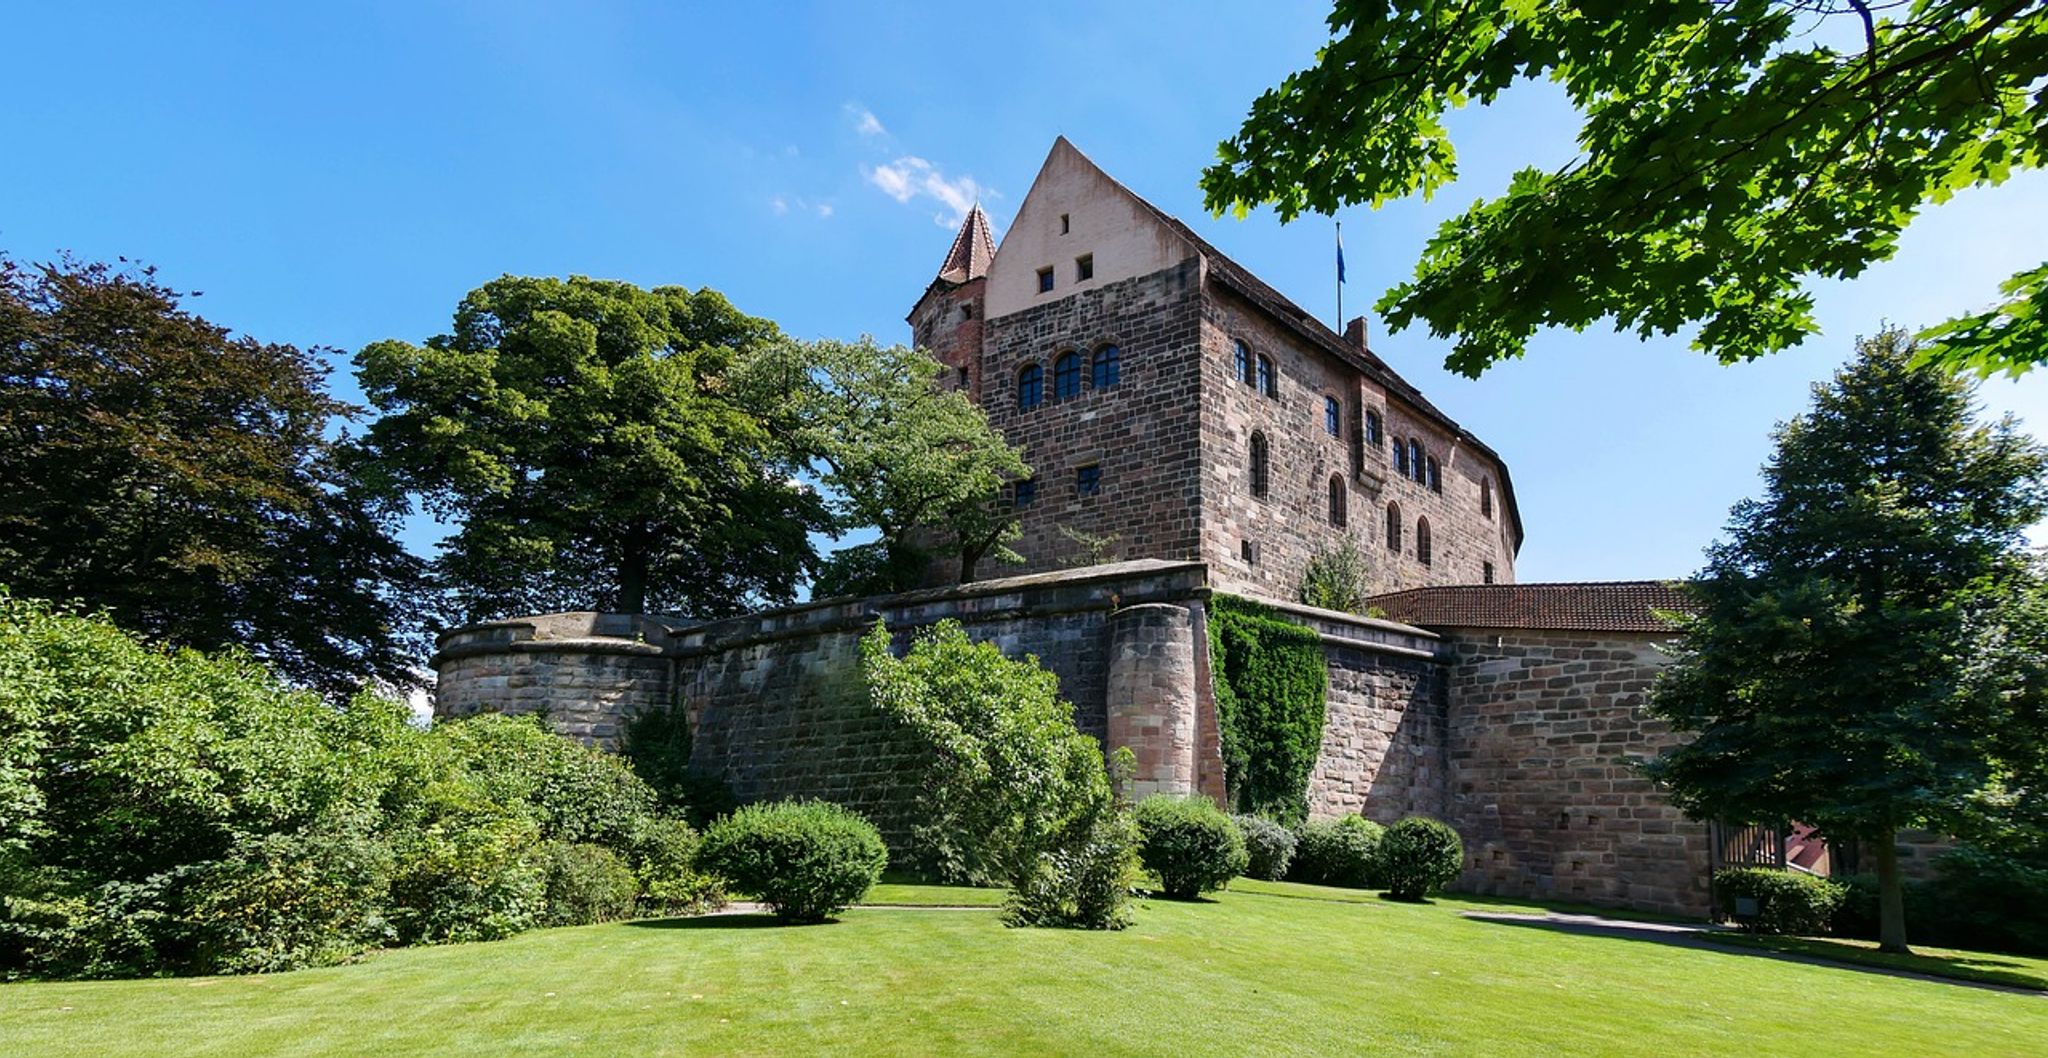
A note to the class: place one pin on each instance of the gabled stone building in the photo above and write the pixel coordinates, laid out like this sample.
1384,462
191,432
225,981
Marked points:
1174,406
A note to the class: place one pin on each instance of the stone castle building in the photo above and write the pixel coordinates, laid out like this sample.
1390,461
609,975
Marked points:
1209,436
1174,406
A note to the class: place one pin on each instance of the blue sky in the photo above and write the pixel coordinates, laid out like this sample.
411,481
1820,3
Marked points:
331,178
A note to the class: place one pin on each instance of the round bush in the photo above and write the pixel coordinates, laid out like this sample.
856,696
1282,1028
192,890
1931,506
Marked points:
805,859
1337,852
1419,855
1786,901
586,884
1268,846
1189,843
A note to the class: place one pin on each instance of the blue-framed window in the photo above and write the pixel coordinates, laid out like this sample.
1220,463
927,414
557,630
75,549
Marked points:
1373,434
1026,492
1269,380
1242,364
1088,480
1066,377
1106,368
1333,417
1030,387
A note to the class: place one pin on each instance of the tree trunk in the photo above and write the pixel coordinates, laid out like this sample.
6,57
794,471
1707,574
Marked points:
633,581
1891,897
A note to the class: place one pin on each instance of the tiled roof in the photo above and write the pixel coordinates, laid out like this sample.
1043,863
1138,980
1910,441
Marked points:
1599,606
972,249
1275,304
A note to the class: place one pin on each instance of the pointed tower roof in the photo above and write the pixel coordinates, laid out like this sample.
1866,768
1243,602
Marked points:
972,250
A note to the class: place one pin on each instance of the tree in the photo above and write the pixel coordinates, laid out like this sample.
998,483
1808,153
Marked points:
1848,666
591,441
185,481
896,453
1729,154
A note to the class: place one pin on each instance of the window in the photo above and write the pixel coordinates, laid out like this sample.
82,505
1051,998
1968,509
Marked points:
1044,280
1415,459
1030,387
1259,467
1333,417
1249,551
1066,224
1066,376
1027,492
1436,476
1394,527
1486,499
1422,554
1268,384
1338,502
1084,267
966,312
1486,572
1373,434
1106,368
1242,366
1088,480
962,372
1400,457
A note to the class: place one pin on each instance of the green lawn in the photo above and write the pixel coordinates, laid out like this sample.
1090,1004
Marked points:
2016,971
1263,969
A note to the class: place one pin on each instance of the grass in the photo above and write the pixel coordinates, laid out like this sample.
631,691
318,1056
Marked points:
1263,969
2014,971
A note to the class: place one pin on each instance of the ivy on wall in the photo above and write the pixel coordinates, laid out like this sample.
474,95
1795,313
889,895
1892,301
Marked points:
1271,683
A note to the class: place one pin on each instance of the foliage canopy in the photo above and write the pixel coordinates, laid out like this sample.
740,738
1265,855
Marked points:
1731,151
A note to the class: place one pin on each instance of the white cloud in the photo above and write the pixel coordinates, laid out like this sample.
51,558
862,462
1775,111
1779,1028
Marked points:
824,209
779,204
911,177
864,121
784,205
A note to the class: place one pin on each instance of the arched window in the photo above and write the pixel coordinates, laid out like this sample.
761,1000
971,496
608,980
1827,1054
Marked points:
1269,382
1338,501
1400,458
1333,417
1394,527
1106,368
1486,498
1066,376
1242,364
1436,476
1373,435
1259,465
1415,469
1422,554
1030,387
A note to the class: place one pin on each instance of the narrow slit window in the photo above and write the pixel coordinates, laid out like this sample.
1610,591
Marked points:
1422,549
1259,468
1394,527
1436,476
1333,417
1338,502
1066,223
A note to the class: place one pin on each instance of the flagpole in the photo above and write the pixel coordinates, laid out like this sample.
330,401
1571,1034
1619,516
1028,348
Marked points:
1339,328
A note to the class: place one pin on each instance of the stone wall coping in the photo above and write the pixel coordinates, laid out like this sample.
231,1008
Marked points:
1378,647
580,645
1340,617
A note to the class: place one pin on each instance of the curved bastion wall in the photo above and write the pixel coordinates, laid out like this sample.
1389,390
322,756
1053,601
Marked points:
1530,757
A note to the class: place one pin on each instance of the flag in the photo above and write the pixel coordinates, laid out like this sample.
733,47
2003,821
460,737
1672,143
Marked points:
1340,252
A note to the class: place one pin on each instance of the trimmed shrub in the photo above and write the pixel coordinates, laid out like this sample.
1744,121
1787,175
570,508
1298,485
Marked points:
586,884
1788,901
806,860
1271,680
1417,856
1339,851
1268,846
1189,843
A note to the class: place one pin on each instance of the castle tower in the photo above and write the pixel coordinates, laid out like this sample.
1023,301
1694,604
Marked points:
947,318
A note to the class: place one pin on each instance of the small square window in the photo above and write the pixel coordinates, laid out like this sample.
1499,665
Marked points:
1249,551
963,376
1088,480
1027,492
1044,280
1084,267
966,312
1066,224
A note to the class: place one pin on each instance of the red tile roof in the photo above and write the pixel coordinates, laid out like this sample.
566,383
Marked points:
1598,606
972,249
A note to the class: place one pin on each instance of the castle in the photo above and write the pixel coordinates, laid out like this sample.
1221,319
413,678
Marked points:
1174,406
1211,437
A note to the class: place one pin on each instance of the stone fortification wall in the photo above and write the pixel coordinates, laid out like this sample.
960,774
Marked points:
586,671
1545,730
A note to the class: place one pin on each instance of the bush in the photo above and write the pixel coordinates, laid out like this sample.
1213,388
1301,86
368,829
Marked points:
469,879
1024,792
1787,901
1417,856
1271,680
1189,843
282,901
663,857
1337,579
805,859
1978,899
1337,851
1268,846
586,884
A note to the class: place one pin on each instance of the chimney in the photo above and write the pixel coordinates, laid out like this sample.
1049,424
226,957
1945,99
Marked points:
1354,332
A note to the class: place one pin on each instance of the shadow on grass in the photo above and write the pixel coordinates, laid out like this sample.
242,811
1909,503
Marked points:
1811,953
740,920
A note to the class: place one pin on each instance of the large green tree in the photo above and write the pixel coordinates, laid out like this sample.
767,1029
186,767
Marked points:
1863,656
186,481
591,443
1732,151
896,453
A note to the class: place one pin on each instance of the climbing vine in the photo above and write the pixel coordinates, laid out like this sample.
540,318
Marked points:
1271,683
